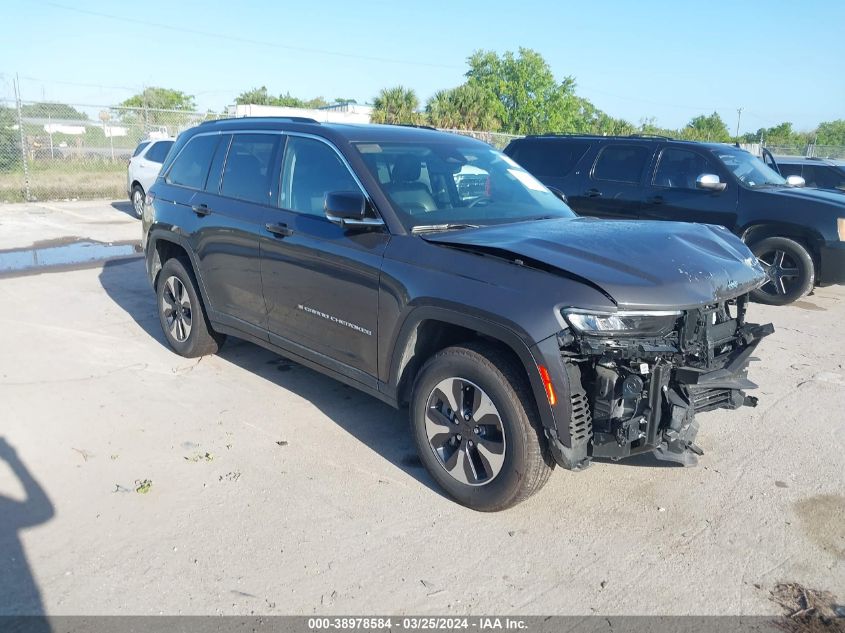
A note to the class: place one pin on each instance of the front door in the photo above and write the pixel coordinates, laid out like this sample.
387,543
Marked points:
321,280
672,193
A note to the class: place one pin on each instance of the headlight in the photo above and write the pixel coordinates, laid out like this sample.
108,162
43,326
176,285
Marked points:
840,228
622,323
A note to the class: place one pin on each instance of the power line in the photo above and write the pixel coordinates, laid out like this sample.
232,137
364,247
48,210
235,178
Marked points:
246,40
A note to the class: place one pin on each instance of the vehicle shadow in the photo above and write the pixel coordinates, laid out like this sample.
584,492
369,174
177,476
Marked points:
19,593
380,427
643,460
124,206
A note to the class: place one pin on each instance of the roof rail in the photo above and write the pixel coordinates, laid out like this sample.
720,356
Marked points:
657,136
422,127
289,119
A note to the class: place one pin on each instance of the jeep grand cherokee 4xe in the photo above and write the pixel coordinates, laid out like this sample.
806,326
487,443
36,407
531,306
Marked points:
520,335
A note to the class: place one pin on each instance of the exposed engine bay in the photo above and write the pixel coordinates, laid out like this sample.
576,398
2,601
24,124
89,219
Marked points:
632,393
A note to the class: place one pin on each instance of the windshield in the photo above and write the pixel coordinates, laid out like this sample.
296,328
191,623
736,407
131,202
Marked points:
458,184
749,169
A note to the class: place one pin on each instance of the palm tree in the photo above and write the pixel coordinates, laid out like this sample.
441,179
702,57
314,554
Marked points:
396,105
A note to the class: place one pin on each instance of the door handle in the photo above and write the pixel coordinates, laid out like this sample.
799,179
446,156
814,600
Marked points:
655,200
279,230
592,193
201,209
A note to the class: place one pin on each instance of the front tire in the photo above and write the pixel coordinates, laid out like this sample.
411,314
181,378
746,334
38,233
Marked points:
181,312
790,268
476,427
137,200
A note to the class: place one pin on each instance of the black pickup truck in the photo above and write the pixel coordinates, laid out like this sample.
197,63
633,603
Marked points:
519,335
798,234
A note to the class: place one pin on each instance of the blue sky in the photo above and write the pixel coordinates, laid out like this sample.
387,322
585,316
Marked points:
669,60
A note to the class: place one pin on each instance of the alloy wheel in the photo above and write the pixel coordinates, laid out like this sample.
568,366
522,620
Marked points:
138,202
465,431
782,270
176,307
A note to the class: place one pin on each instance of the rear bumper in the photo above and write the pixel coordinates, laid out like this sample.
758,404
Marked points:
832,263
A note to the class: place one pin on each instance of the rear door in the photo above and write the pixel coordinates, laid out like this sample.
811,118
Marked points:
672,194
613,188
148,163
321,280
230,212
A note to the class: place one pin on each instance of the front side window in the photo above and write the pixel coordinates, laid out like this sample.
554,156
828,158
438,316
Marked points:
311,169
749,170
248,172
158,152
190,168
679,169
621,163
455,182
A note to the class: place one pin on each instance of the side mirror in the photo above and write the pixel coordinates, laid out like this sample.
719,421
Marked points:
710,182
349,209
795,181
559,194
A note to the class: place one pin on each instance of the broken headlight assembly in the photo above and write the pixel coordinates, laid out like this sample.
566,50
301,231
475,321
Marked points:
618,324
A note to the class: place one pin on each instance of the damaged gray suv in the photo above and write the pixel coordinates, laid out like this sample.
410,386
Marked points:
519,336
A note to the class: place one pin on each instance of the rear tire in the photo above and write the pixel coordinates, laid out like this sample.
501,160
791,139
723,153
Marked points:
790,268
182,314
137,200
496,457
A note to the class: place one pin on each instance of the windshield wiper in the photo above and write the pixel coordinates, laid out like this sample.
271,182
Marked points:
431,228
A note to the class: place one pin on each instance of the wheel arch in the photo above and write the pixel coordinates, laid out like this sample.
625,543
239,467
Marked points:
163,245
429,329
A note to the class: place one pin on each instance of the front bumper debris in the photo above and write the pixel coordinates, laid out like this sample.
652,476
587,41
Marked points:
632,395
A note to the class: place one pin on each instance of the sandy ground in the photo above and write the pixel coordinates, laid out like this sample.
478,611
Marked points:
272,489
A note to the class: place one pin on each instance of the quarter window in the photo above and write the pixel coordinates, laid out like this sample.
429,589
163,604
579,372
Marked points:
140,148
549,158
679,169
311,169
190,168
249,166
621,163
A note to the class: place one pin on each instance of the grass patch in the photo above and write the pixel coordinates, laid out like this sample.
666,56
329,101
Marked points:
59,180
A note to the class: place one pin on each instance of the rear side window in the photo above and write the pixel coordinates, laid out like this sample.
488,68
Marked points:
140,148
311,169
622,163
190,168
549,159
247,174
824,177
158,152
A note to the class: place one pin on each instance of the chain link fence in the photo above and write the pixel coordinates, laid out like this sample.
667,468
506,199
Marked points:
55,151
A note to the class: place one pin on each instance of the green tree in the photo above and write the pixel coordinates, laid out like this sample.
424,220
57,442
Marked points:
161,99
396,105
530,99
46,109
831,132
706,128
467,107
256,96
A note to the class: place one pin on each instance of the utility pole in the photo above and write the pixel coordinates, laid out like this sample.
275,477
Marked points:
27,192
738,118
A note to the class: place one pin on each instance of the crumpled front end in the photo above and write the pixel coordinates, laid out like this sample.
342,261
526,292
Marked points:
633,393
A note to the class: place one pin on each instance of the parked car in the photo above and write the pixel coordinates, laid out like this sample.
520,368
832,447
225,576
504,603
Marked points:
798,234
143,169
819,173
519,335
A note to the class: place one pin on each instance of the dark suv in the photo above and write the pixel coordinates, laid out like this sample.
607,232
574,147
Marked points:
798,234
520,335
819,173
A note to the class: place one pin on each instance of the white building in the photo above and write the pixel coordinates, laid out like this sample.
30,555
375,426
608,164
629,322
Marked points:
338,113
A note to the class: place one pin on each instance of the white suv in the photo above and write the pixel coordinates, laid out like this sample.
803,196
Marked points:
143,168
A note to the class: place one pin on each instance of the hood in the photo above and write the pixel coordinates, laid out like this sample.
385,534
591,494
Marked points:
639,264
808,194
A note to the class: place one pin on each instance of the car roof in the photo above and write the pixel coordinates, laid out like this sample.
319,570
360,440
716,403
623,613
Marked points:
811,160
367,132
632,138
